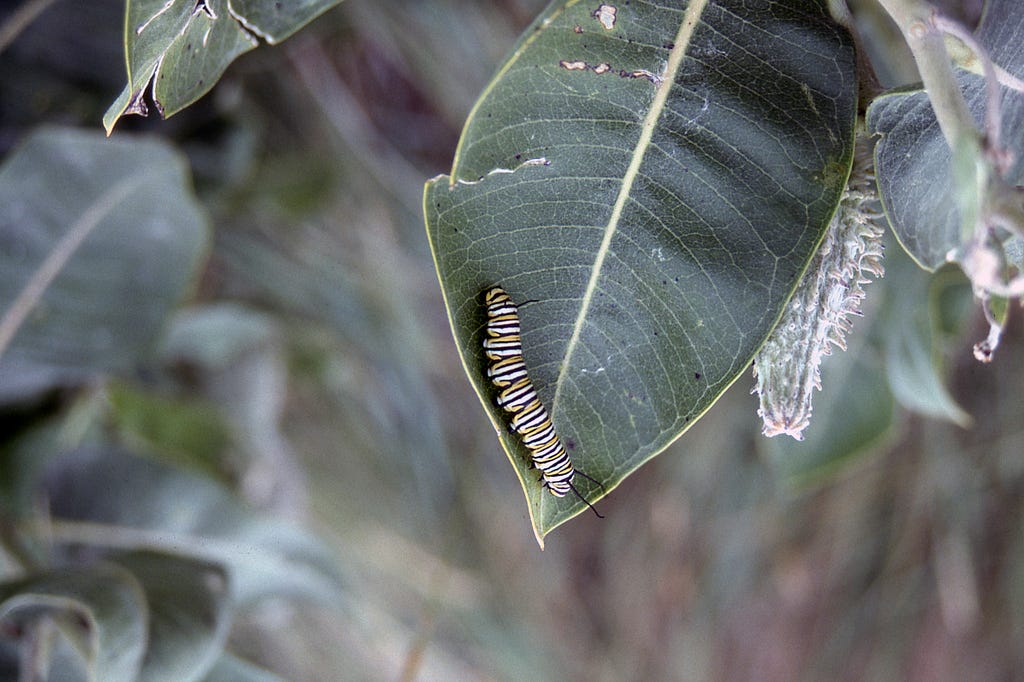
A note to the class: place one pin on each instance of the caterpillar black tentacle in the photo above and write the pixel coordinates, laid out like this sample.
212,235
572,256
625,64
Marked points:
530,419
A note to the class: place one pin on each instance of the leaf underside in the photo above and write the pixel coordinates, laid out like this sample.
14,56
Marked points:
653,180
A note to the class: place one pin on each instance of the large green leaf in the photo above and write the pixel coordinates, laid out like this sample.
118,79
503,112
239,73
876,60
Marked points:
913,161
109,601
182,47
98,241
654,177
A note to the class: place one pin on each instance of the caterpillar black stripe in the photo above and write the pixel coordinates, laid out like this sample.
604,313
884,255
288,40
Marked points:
530,419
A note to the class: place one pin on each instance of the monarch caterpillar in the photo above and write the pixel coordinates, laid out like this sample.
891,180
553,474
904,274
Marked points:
530,419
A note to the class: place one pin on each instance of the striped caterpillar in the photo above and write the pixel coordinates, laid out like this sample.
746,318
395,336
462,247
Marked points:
530,420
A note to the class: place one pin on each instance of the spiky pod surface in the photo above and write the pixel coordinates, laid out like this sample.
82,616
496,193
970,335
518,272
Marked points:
818,316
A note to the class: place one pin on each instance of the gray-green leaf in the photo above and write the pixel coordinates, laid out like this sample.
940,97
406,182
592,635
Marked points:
107,598
913,342
98,240
653,179
129,502
189,614
233,669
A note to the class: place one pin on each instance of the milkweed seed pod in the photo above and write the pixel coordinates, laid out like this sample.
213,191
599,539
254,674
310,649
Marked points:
788,366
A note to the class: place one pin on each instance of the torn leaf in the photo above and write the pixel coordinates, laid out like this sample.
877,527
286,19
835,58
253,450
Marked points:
177,50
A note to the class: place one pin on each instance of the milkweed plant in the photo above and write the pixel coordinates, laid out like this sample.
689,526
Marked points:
991,209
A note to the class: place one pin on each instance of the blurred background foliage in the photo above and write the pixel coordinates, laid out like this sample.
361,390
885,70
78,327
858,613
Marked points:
312,370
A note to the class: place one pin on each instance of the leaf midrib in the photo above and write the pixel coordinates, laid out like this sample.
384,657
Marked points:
679,49
56,260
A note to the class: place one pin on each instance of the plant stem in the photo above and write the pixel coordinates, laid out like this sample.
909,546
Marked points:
918,21
993,108
922,28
